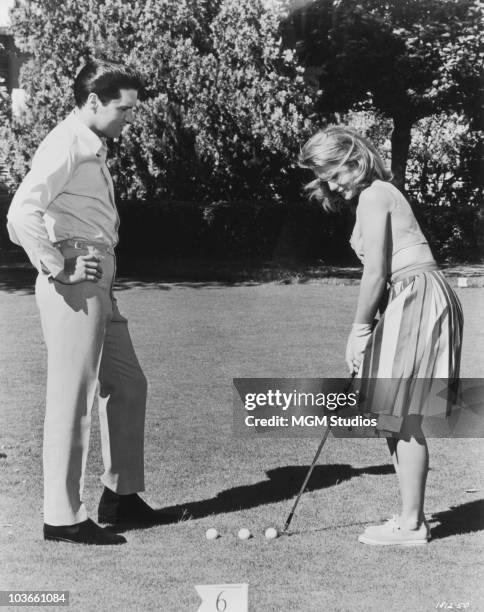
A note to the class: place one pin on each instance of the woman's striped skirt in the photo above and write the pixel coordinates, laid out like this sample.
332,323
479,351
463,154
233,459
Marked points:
413,356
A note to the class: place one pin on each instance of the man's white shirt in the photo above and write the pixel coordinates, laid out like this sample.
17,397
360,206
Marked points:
68,193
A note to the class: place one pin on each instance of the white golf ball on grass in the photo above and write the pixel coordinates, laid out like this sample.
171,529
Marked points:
244,534
212,534
271,533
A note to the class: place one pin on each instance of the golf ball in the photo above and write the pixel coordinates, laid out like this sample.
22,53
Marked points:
271,533
211,534
244,534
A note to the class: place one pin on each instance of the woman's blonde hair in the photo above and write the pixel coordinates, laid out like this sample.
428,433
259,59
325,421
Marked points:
329,150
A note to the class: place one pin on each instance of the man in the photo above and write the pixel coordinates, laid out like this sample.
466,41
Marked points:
65,218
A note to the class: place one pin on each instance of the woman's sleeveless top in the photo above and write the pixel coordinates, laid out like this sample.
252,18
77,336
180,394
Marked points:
405,230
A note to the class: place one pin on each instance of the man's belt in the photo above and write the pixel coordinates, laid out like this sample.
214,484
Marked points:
83,243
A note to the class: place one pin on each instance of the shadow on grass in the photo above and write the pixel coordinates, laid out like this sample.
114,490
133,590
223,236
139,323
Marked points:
466,518
283,484
18,276
22,281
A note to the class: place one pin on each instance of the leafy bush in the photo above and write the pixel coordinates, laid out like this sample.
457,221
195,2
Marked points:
444,162
443,184
227,108
226,104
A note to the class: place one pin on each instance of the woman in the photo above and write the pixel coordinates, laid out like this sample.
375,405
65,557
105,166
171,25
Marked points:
418,336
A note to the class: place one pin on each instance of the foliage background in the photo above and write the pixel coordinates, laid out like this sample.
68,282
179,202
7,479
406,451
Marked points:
234,87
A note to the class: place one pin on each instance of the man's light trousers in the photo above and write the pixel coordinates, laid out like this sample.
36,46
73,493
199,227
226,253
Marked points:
90,360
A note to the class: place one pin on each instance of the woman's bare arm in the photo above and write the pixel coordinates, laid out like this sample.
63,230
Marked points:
374,216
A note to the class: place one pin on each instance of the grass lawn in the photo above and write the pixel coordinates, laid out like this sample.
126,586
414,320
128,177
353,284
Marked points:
192,339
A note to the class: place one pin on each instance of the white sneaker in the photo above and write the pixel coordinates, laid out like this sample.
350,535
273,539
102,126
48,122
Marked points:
390,533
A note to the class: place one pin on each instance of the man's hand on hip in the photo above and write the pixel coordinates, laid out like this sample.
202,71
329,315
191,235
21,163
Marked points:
80,269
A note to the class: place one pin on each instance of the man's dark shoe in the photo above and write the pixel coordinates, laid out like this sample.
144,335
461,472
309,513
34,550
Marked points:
86,532
129,509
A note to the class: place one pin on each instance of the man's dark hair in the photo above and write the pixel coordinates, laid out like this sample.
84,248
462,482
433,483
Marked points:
105,79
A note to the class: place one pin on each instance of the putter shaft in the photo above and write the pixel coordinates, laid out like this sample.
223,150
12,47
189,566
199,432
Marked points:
310,471
308,476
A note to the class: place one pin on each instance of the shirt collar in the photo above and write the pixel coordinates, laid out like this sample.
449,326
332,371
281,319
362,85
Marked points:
94,143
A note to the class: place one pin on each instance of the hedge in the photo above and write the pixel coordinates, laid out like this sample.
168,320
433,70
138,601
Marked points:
302,231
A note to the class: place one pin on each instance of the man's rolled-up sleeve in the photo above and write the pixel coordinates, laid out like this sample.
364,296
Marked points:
52,167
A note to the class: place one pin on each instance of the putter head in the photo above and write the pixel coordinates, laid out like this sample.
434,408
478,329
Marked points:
285,532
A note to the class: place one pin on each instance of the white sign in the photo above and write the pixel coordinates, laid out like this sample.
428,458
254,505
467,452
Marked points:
223,597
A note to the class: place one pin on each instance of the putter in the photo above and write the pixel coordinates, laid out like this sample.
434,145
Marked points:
311,467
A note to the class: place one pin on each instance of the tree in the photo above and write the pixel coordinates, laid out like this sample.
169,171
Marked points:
226,103
411,58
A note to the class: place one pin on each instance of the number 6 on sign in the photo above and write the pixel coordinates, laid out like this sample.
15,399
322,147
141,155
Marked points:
223,597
